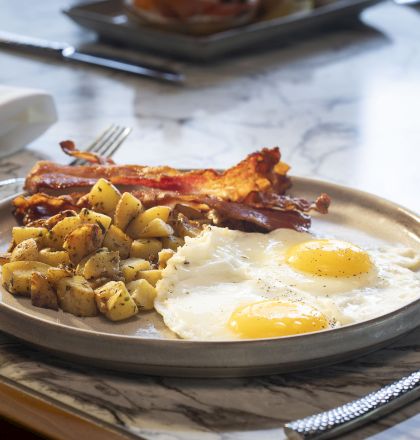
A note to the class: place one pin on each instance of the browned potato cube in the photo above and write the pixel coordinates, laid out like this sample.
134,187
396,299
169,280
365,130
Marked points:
83,241
114,301
142,293
42,293
5,258
132,267
152,276
26,250
136,227
147,248
75,296
157,228
89,216
16,276
55,274
101,264
53,257
172,242
21,233
104,197
116,240
55,238
127,209
164,256
183,227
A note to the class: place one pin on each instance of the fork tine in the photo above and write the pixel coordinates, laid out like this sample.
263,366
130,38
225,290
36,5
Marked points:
111,141
123,136
107,143
97,143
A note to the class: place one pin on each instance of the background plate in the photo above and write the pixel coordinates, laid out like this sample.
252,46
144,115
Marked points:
144,345
109,20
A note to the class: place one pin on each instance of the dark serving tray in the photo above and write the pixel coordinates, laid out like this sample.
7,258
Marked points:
111,21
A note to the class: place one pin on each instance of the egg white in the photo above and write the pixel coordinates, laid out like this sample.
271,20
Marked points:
222,269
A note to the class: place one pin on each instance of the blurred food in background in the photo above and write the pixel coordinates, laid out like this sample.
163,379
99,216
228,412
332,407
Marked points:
279,8
196,16
201,17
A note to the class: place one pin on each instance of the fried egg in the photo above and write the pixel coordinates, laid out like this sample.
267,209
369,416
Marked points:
227,285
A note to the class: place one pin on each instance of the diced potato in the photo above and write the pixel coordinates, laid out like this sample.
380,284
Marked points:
101,264
157,228
16,276
89,216
104,197
145,248
5,258
98,282
152,276
127,209
132,267
83,241
163,257
115,302
105,297
142,293
76,296
55,238
49,223
172,242
136,227
55,274
54,257
26,250
116,240
21,233
42,293
185,228
188,211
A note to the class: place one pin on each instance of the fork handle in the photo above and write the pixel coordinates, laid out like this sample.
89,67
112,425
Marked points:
345,418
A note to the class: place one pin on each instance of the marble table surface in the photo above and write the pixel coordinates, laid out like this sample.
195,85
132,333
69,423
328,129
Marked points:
342,104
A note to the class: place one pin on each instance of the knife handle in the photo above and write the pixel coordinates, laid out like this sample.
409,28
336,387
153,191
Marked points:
347,417
162,74
70,53
31,45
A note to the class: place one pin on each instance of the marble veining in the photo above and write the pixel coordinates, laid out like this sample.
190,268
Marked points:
343,106
166,408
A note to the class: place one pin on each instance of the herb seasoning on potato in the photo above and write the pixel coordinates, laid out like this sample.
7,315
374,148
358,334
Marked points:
106,259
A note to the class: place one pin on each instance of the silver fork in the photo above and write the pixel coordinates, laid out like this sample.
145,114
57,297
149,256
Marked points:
106,144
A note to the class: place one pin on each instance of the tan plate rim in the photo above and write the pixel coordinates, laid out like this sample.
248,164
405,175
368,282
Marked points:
306,339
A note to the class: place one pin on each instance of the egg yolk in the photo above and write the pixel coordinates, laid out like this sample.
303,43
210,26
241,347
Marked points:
329,258
269,319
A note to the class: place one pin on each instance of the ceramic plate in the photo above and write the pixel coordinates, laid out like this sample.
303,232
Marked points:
109,19
144,345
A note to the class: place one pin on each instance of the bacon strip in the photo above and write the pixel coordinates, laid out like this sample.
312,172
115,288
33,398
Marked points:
249,196
259,219
37,206
260,171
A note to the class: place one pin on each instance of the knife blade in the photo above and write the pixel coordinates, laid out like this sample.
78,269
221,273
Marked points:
69,53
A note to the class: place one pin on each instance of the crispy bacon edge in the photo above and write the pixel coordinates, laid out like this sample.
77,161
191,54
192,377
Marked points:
260,171
249,196
69,147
